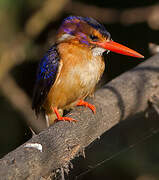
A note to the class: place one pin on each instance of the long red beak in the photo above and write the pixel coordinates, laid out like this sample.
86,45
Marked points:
118,48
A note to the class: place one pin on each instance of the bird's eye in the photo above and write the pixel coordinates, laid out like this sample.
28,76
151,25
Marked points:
93,37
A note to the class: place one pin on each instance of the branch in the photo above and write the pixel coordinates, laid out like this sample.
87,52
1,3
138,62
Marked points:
121,98
47,13
153,48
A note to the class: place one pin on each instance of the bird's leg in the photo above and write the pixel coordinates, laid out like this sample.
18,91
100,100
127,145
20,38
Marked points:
86,104
60,118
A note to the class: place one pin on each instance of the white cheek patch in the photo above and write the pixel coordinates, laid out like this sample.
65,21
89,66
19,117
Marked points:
98,51
64,37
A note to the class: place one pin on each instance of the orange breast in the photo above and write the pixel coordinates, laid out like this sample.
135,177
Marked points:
79,73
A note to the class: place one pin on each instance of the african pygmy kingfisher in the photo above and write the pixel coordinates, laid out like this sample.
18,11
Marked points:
72,67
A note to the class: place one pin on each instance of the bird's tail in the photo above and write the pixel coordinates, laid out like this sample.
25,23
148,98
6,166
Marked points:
50,118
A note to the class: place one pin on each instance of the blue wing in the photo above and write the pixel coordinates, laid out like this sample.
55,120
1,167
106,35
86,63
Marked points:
46,75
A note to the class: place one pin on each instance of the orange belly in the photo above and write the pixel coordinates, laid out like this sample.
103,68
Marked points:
77,79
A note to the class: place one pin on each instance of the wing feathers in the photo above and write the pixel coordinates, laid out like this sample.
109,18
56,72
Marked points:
46,76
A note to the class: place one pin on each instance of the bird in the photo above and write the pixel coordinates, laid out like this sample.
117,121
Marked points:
72,67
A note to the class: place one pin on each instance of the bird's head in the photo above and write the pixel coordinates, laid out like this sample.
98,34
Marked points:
88,32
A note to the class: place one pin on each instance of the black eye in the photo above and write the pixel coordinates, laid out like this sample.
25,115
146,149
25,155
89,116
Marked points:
93,37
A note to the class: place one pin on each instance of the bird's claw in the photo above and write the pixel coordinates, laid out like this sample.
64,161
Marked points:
86,104
60,118
67,119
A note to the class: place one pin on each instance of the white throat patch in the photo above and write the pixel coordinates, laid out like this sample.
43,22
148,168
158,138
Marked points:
98,51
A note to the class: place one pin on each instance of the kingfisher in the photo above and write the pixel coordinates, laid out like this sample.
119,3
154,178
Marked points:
72,67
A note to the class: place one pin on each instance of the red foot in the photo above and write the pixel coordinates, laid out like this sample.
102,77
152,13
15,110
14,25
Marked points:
60,118
86,104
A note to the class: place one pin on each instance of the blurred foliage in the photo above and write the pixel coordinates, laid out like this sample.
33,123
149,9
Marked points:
119,4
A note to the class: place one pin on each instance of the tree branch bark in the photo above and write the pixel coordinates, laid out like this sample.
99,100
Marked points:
116,101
